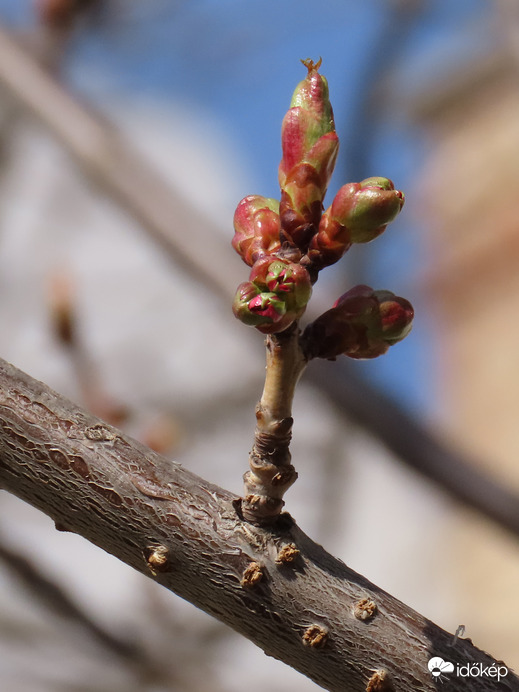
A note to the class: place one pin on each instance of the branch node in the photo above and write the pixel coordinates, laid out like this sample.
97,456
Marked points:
315,636
252,575
286,477
261,510
288,554
157,559
365,609
380,682
100,433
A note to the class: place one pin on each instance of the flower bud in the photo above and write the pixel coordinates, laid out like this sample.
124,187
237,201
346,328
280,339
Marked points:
310,146
256,308
287,279
396,315
362,324
275,296
367,207
256,225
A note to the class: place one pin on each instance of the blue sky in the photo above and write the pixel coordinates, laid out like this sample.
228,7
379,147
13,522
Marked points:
238,62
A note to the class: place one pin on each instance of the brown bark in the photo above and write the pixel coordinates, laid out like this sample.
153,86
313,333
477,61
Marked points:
271,473
276,587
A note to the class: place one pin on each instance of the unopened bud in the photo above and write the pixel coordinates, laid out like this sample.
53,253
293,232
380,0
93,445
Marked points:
263,310
310,146
287,279
256,226
329,244
246,292
396,315
362,324
366,208
275,296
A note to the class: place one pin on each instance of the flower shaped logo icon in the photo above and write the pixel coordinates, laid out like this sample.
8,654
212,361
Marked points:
437,667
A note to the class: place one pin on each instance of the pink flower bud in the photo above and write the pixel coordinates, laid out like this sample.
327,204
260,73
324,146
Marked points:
245,292
257,226
367,207
362,324
274,297
310,146
287,279
396,316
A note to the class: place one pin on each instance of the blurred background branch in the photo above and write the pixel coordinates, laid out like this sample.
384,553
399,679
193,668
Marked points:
118,170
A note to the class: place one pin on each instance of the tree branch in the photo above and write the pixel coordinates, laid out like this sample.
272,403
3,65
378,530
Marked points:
271,473
276,587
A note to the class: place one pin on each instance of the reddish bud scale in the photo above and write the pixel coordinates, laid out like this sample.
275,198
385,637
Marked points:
257,226
329,244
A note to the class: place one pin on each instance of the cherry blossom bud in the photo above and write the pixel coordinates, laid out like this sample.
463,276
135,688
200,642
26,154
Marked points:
396,316
362,324
287,279
310,146
275,296
366,208
256,225
359,213
256,308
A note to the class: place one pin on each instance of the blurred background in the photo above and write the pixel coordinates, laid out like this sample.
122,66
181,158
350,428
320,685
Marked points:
129,131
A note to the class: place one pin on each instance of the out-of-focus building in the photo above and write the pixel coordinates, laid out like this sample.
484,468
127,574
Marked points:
472,199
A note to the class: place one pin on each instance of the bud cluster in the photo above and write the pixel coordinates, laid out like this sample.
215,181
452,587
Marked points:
287,243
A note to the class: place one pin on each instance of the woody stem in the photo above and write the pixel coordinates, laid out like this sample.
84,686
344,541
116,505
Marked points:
271,473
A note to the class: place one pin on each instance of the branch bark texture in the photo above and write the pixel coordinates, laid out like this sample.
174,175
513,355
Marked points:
276,587
271,473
